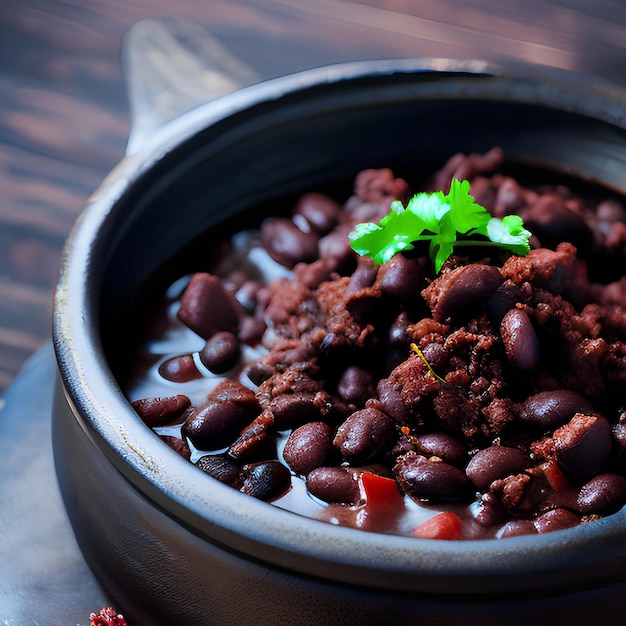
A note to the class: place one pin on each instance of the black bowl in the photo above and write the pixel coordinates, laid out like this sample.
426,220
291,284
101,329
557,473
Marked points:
173,546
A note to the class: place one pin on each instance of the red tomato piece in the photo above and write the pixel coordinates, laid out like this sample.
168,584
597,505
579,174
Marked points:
379,490
442,526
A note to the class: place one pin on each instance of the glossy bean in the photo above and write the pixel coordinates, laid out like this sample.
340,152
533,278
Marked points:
178,445
365,435
221,467
583,446
267,480
435,481
333,484
319,210
180,369
286,243
356,385
556,519
520,340
515,528
462,288
400,277
221,352
206,307
161,411
550,409
602,495
308,447
493,463
444,446
217,423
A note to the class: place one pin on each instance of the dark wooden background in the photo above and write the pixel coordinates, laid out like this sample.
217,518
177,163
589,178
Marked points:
64,114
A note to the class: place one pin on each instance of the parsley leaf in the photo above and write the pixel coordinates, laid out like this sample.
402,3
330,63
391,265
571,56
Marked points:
439,219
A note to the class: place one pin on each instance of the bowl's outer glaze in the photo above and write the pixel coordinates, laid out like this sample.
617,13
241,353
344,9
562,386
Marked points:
171,545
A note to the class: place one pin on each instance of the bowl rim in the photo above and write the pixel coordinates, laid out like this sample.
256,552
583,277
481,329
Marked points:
234,520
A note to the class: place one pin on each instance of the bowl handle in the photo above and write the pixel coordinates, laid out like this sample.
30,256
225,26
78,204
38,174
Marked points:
172,65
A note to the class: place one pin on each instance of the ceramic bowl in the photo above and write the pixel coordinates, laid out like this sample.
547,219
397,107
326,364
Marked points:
171,545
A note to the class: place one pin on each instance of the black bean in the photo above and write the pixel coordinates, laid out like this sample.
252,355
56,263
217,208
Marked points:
308,447
436,481
462,288
292,410
444,446
217,423
220,353
550,409
400,277
267,480
493,463
221,467
257,441
161,411
333,484
365,435
506,296
364,275
180,369
207,307
286,243
356,385
319,210
602,495
515,528
583,446
556,519
520,340
391,400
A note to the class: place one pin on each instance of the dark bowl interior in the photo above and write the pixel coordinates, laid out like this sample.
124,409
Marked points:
214,170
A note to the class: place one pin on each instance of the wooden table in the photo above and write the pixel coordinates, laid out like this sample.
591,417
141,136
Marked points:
65,119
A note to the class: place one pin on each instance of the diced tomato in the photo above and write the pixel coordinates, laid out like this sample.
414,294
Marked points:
555,476
379,490
442,526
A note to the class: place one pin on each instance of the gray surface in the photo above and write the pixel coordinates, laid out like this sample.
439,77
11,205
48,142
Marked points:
43,578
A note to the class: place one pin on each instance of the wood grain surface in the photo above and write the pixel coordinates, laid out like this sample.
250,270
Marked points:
65,118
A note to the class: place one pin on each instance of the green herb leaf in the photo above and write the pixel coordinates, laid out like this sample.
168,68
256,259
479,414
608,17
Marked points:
439,219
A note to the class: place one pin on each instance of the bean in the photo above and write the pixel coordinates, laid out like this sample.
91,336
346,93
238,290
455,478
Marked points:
356,385
221,467
520,340
206,307
180,369
267,480
333,484
444,446
286,243
375,185
602,495
228,409
363,276
251,330
391,400
493,463
515,528
319,210
308,447
161,411
435,481
365,435
257,441
461,288
506,296
550,409
556,519
583,445
400,277
220,352
292,410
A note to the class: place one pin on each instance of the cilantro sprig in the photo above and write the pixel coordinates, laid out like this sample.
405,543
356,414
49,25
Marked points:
447,221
